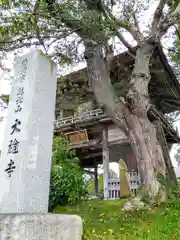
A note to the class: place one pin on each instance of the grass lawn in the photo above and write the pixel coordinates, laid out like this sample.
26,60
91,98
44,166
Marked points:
105,220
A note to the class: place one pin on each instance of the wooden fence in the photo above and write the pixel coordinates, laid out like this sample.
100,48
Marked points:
114,186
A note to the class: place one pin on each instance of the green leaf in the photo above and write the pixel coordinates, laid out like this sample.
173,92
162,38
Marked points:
5,3
67,185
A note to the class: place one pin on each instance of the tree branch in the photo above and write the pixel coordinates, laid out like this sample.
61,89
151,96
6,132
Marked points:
99,81
158,14
21,39
125,42
137,31
170,20
14,47
175,15
102,8
164,25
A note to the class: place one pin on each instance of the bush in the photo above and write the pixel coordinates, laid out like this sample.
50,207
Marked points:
174,204
67,185
173,191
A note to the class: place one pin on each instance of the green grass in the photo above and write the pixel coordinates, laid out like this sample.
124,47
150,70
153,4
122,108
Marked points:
105,220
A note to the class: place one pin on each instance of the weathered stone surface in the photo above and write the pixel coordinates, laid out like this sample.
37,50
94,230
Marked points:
137,202
127,206
40,227
134,204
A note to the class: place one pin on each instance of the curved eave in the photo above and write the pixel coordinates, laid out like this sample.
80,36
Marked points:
170,133
169,70
164,88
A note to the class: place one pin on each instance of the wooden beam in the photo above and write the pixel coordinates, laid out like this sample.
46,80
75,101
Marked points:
92,143
170,99
174,106
89,172
92,155
156,70
158,86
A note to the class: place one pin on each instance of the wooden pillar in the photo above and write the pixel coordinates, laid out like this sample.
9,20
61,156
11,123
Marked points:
105,154
96,178
61,114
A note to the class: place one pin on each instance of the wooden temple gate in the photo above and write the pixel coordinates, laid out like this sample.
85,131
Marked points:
88,132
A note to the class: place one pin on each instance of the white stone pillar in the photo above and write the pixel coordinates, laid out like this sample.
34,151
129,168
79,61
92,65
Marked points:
105,153
3,117
27,148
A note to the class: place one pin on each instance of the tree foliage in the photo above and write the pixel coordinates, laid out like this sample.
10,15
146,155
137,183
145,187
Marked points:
5,98
67,184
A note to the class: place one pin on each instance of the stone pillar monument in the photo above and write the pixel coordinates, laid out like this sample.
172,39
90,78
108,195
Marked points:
26,155
27,147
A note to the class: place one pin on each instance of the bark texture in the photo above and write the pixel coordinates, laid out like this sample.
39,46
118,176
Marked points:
131,115
142,132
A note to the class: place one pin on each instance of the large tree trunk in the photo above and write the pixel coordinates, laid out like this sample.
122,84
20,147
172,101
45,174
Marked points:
142,136
142,132
131,116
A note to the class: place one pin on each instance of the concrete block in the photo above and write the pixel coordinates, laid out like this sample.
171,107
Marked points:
40,227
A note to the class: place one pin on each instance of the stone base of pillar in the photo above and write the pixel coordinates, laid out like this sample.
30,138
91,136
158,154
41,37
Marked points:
40,226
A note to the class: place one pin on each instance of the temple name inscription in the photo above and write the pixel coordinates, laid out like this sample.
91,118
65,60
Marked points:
13,147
